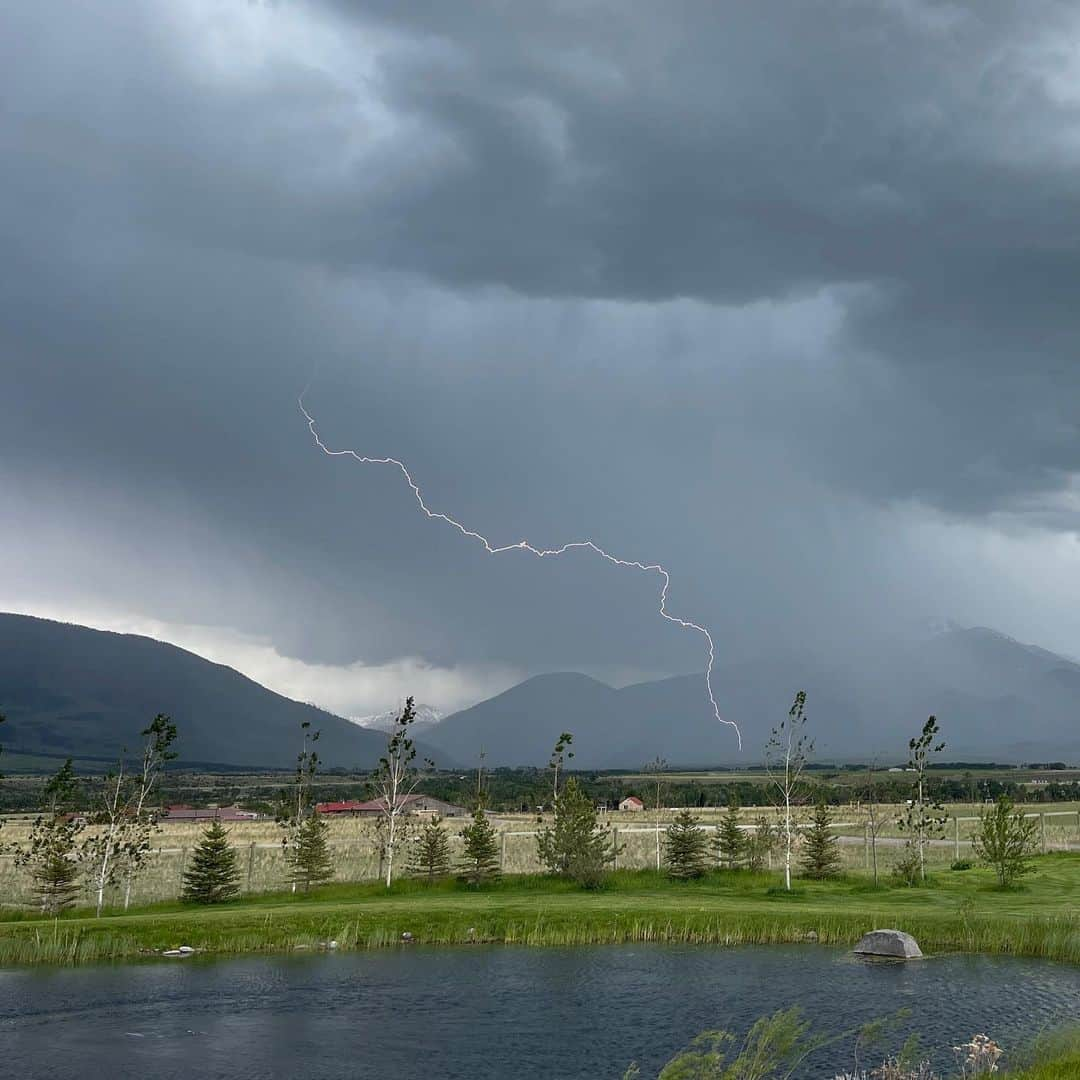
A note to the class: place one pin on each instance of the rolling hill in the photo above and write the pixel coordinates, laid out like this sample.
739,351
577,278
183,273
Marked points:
70,690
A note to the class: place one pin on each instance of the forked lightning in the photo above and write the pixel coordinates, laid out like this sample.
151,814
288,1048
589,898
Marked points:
542,553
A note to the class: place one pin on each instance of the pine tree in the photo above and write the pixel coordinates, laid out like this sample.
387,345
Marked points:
56,881
685,847
213,875
431,853
480,862
821,851
309,857
730,842
576,847
51,854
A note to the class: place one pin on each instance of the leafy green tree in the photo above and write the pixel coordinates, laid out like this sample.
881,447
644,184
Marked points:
821,849
655,769
124,825
923,819
761,843
1006,840
51,854
158,738
873,817
559,756
576,846
731,843
685,847
303,841
480,860
213,875
309,855
786,755
431,851
396,778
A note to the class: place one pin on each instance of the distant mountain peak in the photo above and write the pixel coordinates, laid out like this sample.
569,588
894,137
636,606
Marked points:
427,716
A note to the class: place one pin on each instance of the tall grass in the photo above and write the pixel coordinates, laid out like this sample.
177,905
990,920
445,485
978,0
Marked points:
240,928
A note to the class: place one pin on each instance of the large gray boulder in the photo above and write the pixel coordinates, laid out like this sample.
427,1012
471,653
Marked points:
894,943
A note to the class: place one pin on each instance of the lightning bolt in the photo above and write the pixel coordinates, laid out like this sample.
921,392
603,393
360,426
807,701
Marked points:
540,553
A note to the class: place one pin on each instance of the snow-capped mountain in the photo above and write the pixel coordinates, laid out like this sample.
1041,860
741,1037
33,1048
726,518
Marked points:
427,717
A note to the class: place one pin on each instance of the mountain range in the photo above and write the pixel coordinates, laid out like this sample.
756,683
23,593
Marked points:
70,690
995,698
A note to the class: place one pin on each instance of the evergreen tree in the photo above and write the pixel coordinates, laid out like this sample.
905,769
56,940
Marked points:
309,857
213,875
480,862
431,853
576,847
51,853
821,851
730,842
56,881
685,847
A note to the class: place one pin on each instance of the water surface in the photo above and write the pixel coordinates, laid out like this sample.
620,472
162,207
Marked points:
489,1012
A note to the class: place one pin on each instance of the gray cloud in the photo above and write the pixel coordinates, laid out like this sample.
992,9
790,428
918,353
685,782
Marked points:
779,297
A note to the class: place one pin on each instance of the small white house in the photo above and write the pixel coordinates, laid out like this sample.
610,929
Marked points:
631,802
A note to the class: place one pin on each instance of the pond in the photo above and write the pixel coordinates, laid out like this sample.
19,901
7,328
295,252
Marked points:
490,1012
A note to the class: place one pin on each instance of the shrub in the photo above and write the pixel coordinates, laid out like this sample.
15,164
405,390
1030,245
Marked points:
761,844
1006,840
908,867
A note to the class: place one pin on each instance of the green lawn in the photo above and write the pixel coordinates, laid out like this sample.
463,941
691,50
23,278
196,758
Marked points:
959,910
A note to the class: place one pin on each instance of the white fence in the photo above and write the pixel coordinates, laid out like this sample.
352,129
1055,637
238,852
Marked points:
263,868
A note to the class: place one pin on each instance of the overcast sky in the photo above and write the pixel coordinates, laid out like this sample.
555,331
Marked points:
781,295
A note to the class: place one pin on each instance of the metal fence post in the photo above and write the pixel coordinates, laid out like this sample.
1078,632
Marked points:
866,845
1042,831
183,863
615,841
502,853
251,864
956,838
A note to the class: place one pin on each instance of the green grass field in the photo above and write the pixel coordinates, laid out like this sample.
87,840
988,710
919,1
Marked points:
959,910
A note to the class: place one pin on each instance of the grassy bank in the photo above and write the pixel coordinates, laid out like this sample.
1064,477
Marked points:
961,910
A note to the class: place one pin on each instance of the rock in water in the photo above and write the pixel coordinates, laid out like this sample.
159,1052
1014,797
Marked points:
894,943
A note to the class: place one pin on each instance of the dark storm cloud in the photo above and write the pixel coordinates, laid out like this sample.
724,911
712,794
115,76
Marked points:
764,291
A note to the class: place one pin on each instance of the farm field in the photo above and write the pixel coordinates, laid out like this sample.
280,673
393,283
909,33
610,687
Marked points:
960,910
355,847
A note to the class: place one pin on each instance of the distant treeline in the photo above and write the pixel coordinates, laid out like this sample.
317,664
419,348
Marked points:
525,790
